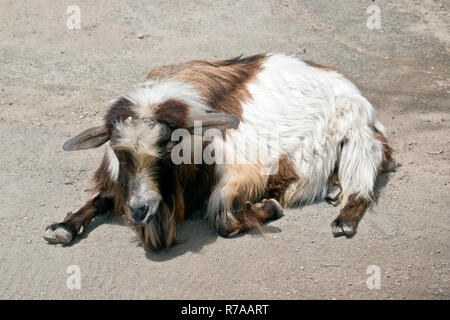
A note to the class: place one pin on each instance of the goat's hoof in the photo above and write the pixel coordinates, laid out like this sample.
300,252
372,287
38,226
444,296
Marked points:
58,233
341,227
223,225
276,207
333,203
333,195
235,232
225,233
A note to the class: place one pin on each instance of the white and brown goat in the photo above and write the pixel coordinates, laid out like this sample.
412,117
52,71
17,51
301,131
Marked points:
329,145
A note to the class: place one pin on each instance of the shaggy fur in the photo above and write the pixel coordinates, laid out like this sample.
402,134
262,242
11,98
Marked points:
325,133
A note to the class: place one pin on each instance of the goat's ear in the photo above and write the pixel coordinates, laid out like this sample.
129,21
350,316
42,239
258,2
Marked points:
219,121
88,139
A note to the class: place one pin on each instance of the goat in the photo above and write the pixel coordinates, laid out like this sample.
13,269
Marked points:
330,146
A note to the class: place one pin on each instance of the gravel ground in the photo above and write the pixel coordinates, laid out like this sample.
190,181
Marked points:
56,82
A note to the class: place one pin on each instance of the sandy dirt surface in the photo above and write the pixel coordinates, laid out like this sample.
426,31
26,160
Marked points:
55,82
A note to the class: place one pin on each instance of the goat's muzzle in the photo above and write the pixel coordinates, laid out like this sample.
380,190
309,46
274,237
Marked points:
142,214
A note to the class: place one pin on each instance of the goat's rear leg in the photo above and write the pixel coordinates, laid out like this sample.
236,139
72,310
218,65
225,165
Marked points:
75,223
349,217
247,216
334,189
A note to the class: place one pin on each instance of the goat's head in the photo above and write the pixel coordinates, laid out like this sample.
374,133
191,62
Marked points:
139,158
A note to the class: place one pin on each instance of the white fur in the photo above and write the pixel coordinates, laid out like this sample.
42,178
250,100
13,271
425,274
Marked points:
152,93
113,163
311,111
138,137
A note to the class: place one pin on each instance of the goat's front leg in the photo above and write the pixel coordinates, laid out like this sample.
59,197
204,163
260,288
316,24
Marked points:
246,215
75,223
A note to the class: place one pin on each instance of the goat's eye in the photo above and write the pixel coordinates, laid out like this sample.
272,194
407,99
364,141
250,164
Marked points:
129,120
149,121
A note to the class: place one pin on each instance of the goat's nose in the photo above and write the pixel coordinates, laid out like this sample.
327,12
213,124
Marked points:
139,213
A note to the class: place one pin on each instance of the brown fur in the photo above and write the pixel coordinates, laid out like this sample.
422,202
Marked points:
246,215
119,189
334,179
191,188
387,163
243,214
352,212
77,222
172,112
105,199
186,188
222,83
161,71
319,66
159,232
102,180
279,182
119,111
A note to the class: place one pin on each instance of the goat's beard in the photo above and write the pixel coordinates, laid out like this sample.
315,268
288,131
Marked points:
159,232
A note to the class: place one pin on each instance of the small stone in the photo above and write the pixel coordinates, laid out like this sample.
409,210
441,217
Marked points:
140,36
